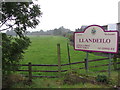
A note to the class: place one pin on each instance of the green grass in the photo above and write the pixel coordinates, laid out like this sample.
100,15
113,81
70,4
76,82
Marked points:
56,83
43,50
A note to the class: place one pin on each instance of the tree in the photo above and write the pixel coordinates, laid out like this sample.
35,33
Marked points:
57,32
17,16
12,51
60,31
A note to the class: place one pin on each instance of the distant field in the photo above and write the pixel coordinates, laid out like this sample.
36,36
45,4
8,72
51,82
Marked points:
43,50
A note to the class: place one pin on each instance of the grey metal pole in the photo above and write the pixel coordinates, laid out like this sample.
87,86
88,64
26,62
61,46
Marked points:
109,66
118,68
86,62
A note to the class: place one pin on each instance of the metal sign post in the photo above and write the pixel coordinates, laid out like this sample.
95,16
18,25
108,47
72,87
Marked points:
119,75
86,62
118,67
109,66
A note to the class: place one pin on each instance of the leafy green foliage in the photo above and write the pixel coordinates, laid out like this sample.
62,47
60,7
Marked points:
12,48
102,78
19,16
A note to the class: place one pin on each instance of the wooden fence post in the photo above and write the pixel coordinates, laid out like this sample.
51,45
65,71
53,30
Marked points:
30,71
59,59
69,55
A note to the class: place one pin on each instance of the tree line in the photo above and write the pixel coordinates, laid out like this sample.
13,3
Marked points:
57,31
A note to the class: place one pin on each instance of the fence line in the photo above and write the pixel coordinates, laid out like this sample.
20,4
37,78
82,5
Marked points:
30,68
62,64
47,76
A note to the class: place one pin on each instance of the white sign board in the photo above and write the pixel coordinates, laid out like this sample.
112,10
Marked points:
95,39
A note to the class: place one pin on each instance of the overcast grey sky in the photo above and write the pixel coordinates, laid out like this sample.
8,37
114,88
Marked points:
73,14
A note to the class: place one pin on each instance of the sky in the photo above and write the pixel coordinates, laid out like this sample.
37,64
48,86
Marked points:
72,14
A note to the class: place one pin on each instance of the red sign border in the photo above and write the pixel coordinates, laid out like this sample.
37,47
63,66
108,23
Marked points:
94,50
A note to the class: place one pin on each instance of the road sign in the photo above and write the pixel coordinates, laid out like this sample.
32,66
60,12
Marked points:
95,39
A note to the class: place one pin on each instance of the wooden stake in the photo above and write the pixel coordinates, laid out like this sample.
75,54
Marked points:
69,55
59,59
30,71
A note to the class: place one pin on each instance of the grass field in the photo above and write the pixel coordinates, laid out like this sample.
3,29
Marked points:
43,50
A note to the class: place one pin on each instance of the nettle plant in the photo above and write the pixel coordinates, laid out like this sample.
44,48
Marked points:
102,78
